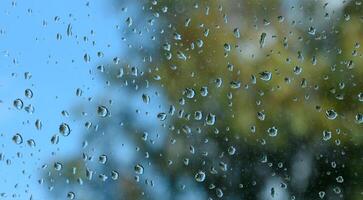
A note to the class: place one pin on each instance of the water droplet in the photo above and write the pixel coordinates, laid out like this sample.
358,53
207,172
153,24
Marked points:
79,92
272,192
261,115
102,111
272,131
102,159
29,109
360,97
265,75
114,175
189,93
71,195
262,40
321,194
18,104
64,129
204,91
38,124
69,30
139,169
231,150
102,177
161,116
58,166
129,21
31,143
17,138
28,93
210,119
326,135
54,139
235,84
331,114
297,70
87,58
359,118
236,32
145,98
198,115
219,193
311,30
340,179
200,176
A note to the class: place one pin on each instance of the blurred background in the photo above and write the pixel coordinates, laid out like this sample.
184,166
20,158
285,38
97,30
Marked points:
146,99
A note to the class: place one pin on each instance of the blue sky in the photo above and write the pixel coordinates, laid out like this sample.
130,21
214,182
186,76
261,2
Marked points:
55,78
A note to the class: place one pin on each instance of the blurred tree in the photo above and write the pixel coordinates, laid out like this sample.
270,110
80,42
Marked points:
258,91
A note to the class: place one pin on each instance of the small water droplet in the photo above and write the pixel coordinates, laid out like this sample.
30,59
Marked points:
359,118
265,75
262,40
139,169
210,119
18,104
71,195
114,175
331,114
161,116
326,135
28,93
64,129
200,176
272,131
102,111
38,124
102,159
17,138
58,166
189,93
145,98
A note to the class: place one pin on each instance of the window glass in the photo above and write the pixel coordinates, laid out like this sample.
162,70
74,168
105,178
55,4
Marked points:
151,99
